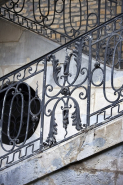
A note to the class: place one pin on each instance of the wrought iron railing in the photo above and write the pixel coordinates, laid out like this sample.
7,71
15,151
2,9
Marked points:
52,98
73,18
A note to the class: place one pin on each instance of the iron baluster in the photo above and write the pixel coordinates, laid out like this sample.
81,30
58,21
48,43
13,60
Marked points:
43,103
72,86
66,68
122,6
99,8
89,81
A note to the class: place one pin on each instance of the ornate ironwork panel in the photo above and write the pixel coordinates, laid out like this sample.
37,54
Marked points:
51,99
60,20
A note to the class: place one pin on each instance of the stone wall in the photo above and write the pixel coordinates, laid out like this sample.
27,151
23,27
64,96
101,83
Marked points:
93,157
19,46
105,168
68,22
75,8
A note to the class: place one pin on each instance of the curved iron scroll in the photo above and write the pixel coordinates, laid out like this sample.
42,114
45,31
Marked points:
63,81
107,47
20,110
37,15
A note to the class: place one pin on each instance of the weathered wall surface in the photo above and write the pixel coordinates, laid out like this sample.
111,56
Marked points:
98,153
103,169
19,47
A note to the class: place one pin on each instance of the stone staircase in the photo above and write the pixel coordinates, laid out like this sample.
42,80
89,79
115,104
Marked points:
72,89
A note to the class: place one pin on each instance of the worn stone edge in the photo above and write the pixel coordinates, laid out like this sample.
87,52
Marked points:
73,150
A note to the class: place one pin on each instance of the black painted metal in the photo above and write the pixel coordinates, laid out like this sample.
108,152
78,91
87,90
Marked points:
40,102
20,109
3,2
67,82
122,6
40,20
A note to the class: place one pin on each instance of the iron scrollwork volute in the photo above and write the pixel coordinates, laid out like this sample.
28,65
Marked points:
65,91
97,65
20,109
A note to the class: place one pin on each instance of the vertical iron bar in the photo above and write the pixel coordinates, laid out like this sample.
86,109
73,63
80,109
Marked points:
0,130
122,6
105,9
99,7
120,64
98,32
116,9
43,103
105,13
89,81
